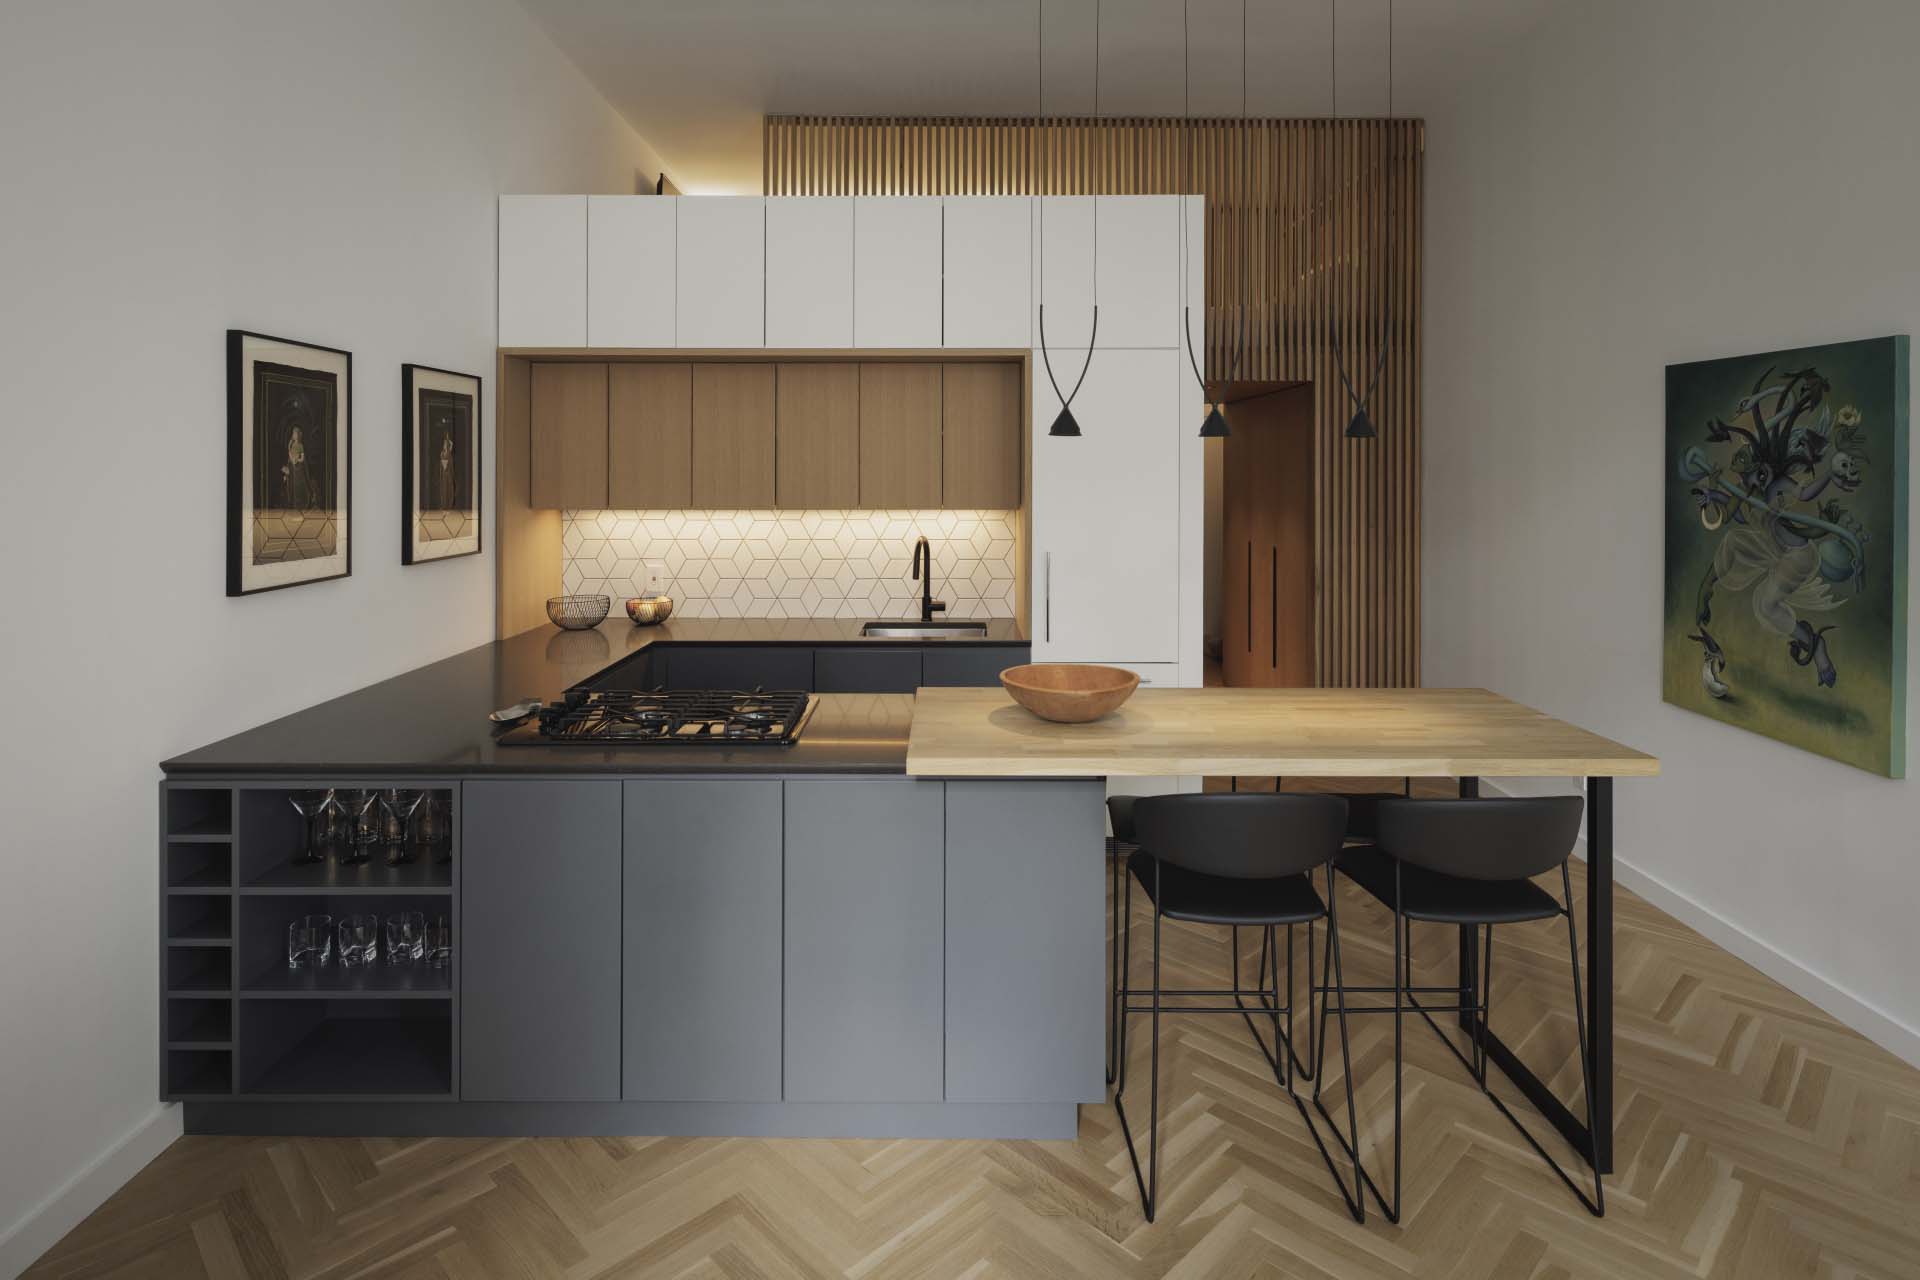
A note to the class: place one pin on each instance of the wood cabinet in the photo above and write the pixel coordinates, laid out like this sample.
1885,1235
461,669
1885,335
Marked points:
702,916
649,436
540,989
810,272
899,436
568,464
980,436
896,272
630,271
543,271
863,946
721,296
1106,514
817,436
988,271
733,440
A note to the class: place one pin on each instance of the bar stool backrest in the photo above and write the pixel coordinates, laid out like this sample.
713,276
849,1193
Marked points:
1504,839
1241,837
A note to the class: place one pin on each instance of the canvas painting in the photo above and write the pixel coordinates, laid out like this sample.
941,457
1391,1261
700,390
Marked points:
1786,547
439,464
289,440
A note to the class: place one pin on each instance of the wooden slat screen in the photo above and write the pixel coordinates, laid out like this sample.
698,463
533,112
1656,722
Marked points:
1313,226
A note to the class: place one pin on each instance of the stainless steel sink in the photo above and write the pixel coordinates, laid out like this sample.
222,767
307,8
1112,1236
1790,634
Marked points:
909,629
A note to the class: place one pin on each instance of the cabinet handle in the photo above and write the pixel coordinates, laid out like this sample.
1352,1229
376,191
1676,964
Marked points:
1047,597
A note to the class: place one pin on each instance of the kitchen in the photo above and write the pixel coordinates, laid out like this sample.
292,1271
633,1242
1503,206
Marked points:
920,655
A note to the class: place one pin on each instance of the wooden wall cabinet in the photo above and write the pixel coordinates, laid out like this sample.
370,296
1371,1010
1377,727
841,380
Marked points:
980,436
817,436
733,439
649,436
899,436
568,466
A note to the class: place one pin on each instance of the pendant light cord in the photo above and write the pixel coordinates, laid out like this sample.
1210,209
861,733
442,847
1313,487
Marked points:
1386,178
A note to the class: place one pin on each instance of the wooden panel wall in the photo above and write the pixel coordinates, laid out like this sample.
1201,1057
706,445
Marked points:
1313,230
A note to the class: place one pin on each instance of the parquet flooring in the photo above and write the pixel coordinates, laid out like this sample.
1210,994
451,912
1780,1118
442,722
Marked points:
1757,1138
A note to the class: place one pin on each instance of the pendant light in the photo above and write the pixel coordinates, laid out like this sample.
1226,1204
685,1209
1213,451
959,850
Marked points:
1065,424
1214,426
1360,426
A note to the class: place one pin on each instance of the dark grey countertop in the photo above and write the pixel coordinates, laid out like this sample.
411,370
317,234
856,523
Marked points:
433,720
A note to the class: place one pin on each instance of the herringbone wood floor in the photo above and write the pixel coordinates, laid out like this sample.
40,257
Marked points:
1757,1138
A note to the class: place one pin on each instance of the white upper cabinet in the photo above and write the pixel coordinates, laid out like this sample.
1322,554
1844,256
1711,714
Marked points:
1063,274
1106,510
630,271
721,294
989,271
1139,270
543,271
810,272
896,271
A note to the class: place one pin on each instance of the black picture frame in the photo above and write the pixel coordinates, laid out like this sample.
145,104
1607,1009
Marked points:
266,545
415,517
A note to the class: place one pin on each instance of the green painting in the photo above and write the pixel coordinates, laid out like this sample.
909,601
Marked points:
1786,532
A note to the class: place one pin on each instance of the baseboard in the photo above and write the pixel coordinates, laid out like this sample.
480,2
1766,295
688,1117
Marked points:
1876,1024
43,1225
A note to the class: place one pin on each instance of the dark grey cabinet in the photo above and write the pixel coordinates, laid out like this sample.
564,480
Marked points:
636,672
864,889
868,670
540,957
701,1016
736,667
1024,933
971,665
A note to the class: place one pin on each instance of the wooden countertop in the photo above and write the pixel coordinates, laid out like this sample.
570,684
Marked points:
1262,732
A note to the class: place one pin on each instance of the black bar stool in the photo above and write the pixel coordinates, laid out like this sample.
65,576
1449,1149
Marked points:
1236,860
1465,862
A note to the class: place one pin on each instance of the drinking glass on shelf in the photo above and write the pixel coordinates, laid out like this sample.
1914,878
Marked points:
363,818
406,936
434,831
317,811
309,942
359,940
400,806
438,948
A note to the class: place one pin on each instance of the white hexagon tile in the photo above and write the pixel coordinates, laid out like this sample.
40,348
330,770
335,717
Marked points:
794,564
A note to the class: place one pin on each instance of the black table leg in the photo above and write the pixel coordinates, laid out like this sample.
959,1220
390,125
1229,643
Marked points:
1469,934
1600,962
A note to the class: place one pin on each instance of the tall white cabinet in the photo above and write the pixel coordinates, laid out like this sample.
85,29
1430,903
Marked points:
988,251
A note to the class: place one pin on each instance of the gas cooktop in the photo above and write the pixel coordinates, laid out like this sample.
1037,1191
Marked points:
679,717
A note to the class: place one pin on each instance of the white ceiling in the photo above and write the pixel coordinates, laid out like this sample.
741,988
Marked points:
695,76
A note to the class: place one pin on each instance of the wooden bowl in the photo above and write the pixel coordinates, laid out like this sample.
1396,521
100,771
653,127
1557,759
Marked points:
1069,692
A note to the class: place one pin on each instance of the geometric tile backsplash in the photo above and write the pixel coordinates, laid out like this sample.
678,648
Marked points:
793,564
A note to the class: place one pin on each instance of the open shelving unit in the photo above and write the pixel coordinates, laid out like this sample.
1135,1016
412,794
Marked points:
236,1022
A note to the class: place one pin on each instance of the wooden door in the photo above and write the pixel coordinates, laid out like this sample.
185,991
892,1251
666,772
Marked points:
650,436
980,436
733,407
1266,580
569,431
899,436
817,435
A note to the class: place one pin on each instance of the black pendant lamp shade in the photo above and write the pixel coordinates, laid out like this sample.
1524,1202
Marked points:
1064,425
1215,425
1361,428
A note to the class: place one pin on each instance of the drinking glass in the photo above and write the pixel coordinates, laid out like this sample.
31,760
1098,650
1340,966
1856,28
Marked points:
359,940
439,942
316,810
363,817
406,937
309,942
434,831
400,806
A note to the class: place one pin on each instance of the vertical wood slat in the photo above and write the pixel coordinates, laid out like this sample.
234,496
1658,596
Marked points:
1313,230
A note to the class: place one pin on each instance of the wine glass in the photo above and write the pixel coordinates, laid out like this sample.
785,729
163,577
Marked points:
363,822
435,828
400,805
315,808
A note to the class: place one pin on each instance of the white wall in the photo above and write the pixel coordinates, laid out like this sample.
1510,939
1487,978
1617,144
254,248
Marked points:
1637,183
316,171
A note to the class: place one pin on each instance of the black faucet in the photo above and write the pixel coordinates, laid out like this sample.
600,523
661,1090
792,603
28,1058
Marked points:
923,554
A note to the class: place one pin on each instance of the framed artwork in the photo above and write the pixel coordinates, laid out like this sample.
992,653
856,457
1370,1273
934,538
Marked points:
1786,547
439,464
289,463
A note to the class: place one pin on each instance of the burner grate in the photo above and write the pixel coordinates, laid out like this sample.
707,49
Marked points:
681,717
